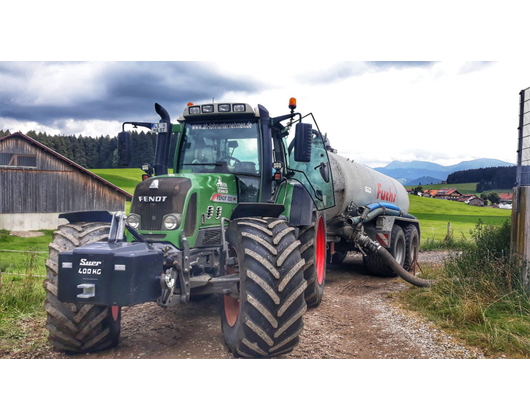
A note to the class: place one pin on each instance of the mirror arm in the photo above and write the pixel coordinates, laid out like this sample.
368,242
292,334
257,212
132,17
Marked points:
278,120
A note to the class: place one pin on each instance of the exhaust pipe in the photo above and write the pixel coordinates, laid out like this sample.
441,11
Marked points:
162,143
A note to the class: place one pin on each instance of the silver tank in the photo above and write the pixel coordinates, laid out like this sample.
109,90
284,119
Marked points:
356,183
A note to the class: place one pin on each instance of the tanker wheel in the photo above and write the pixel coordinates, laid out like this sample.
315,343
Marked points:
313,249
375,264
266,320
77,327
412,244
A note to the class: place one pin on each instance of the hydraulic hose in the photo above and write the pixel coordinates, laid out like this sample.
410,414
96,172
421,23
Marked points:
373,247
350,232
400,271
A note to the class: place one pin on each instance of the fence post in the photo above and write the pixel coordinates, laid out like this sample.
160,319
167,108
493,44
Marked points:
448,231
0,277
520,237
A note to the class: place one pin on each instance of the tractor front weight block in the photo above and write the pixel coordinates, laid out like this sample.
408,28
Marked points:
112,274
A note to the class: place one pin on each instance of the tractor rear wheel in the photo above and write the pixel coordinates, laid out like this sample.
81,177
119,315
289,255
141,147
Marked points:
78,327
266,319
313,249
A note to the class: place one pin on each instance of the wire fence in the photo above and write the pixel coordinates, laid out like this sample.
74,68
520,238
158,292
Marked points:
20,274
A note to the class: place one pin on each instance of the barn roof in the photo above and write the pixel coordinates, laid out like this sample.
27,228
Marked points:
128,196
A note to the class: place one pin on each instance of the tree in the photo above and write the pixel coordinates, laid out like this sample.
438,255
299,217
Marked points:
494,197
418,189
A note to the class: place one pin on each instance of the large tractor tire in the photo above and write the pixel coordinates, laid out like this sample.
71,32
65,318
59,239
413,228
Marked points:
375,264
313,249
266,320
76,327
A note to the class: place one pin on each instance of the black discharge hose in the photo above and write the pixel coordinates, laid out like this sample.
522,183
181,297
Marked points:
373,247
400,271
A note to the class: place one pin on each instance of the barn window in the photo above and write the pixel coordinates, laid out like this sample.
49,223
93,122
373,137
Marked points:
14,159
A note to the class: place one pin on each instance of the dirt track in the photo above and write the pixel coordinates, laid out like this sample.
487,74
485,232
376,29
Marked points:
357,319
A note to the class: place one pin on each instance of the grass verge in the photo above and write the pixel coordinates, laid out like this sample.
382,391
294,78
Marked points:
22,295
479,295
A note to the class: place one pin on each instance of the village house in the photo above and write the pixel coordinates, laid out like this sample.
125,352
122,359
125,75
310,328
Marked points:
443,194
466,198
37,184
477,202
506,198
430,193
448,194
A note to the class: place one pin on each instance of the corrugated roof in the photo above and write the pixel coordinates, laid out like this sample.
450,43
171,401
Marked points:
128,196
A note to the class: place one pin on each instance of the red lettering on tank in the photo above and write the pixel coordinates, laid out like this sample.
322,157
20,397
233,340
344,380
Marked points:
385,195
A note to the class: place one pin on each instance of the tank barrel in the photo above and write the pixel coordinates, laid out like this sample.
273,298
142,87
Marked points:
357,186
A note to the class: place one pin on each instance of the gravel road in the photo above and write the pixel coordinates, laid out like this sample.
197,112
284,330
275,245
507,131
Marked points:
358,318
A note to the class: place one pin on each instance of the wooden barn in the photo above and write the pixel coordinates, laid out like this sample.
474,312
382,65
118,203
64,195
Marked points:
37,183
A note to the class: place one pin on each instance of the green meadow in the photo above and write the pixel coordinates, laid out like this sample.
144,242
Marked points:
434,215
126,178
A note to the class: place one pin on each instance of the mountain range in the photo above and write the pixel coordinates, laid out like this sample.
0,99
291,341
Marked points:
416,172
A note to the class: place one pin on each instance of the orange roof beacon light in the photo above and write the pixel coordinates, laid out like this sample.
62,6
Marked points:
292,104
190,104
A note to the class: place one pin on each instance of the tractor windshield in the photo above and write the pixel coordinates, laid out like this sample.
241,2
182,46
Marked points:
220,147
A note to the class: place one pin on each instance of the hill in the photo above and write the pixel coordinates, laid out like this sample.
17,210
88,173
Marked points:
415,169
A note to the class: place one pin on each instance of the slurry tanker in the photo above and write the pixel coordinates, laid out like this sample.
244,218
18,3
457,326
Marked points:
253,210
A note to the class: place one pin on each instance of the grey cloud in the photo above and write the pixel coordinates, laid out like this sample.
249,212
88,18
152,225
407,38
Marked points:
130,91
400,64
473,66
346,69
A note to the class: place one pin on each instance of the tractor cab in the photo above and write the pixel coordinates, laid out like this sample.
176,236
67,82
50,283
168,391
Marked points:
222,139
234,138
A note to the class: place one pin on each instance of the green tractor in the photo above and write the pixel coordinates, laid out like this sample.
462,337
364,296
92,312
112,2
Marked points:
241,216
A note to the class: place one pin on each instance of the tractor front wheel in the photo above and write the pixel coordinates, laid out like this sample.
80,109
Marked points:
266,319
73,327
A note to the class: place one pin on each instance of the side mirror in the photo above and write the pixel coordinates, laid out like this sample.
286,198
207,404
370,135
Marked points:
302,143
124,148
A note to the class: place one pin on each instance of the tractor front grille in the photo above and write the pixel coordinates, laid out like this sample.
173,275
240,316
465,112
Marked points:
152,204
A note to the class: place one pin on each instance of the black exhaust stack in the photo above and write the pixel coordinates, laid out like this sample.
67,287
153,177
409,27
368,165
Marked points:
162,144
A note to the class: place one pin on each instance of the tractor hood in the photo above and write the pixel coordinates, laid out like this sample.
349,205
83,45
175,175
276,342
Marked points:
156,197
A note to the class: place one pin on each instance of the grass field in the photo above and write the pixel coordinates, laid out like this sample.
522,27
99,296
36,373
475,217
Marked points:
125,178
435,214
14,262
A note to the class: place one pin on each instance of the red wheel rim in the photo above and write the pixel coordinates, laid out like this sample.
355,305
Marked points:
231,310
231,304
115,311
321,251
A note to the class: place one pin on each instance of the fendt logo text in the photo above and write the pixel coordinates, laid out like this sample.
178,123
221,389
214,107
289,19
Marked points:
153,199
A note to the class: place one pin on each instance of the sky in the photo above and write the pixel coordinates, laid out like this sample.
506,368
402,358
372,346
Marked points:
373,111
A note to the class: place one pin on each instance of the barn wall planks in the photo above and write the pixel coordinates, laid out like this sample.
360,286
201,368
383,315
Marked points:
53,186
